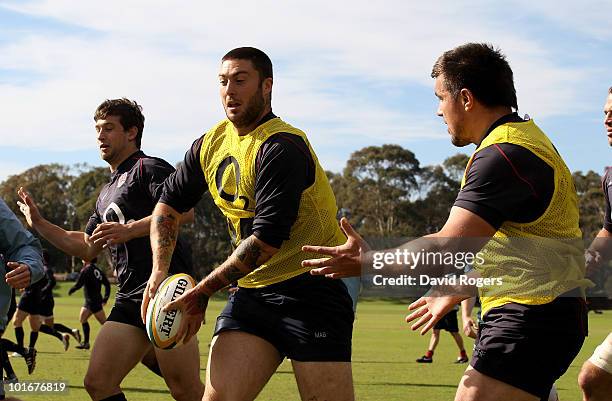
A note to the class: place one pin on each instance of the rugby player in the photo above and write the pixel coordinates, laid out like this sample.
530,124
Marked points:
265,177
516,192
120,221
35,304
91,278
449,323
595,377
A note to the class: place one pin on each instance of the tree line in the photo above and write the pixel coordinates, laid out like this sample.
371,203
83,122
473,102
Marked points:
383,190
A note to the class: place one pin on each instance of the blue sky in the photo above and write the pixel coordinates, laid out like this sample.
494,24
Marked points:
350,73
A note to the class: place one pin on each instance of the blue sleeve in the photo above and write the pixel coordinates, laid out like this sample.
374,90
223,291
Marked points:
18,244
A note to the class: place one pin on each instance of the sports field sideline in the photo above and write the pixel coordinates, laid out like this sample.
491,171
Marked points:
384,353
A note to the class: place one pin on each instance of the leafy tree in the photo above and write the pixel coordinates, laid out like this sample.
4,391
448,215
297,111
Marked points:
591,203
48,184
441,184
376,179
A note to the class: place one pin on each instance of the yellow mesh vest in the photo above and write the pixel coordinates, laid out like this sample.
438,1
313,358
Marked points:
228,162
542,259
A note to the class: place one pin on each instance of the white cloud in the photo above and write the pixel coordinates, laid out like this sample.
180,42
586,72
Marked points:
165,55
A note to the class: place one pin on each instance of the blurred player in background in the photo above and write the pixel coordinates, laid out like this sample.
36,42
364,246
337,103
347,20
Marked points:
91,278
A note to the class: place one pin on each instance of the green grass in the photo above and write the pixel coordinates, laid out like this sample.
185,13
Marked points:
384,353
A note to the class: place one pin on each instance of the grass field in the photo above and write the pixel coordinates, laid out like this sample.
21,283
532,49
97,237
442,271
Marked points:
384,353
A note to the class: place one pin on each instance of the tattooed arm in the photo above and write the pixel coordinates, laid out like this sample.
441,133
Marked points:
249,255
164,231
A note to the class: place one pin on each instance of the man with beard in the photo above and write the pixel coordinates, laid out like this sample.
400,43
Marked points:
264,176
120,222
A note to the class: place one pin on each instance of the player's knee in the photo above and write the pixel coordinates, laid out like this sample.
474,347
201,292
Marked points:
183,390
95,384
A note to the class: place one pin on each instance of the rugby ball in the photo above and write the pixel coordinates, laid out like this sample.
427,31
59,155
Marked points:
162,327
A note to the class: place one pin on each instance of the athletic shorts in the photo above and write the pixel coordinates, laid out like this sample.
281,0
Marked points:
307,318
602,357
127,312
29,304
93,305
448,322
46,307
530,346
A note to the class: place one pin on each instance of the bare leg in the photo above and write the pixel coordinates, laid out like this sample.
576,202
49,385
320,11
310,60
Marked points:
239,366
118,348
324,380
474,386
180,368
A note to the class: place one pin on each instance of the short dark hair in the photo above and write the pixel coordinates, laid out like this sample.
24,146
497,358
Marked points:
260,60
610,90
482,69
129,113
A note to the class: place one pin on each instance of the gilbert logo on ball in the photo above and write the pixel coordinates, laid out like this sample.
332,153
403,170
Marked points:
162,327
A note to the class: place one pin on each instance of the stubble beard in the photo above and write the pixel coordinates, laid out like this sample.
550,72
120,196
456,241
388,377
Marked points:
252,112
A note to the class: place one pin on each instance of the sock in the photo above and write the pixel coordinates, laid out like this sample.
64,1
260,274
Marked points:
463,354
6,363
61,328
429,354
85,332
2,359
8,345
19,336
33,338
116,397
50,331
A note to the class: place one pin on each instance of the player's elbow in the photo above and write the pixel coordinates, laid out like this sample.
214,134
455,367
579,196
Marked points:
188,217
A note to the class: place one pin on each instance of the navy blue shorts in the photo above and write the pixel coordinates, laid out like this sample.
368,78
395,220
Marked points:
127,312
36,306
530,346
448,322
46,307
307,318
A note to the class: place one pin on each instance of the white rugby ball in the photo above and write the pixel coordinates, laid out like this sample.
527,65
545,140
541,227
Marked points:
162,327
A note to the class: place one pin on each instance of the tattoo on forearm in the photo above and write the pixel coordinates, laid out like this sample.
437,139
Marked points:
249,252
246,258
233,273
165,233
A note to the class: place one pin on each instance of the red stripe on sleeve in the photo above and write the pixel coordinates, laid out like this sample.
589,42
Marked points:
515,170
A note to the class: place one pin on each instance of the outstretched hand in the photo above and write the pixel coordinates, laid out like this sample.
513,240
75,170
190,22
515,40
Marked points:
345,260
28,207
430,308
